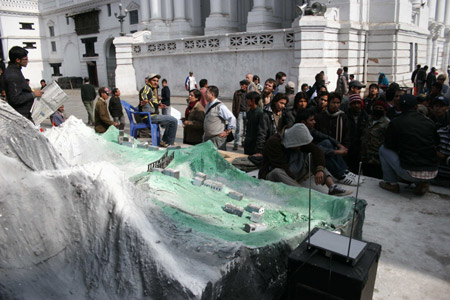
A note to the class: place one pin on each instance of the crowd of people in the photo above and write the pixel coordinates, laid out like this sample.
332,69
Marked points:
397,136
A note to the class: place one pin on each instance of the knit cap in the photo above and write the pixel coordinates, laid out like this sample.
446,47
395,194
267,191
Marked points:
297,135
354,97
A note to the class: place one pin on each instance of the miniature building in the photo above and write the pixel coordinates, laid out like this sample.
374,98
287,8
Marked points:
128,144
235,195
255,227
233,209
142,145
172,173
163,162
198,181
255,208
153,148
256,217
121,132
200,174
213,185
154,170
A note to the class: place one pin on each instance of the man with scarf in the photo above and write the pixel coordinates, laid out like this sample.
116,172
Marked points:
149,103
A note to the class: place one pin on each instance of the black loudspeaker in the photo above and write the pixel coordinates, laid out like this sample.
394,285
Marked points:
313,275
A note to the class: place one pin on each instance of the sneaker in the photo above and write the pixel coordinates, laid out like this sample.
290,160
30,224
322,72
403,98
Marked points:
163,144
349,179
235,147
395,188
336,190
421,188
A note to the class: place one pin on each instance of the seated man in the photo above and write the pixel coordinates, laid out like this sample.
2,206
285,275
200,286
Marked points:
332,149
409,150
102,118
438,111
285,160
443,177
149,103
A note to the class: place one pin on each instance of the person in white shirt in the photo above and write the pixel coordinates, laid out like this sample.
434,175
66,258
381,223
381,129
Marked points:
190,83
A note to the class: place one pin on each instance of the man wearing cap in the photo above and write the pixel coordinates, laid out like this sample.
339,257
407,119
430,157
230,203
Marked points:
88,95
290,92
239,109
409,150
149,103
354,87
373,139
341,83
357,120
102,118
438,111
286,160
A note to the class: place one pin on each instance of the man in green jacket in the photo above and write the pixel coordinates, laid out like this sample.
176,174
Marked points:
88,95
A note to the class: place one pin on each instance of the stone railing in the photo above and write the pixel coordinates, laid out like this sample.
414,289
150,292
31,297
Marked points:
19,5
264,40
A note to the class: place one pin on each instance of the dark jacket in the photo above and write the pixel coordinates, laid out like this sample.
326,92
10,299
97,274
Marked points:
238,99
421,75
88,92
266,128
102,118
287,118
319,137
165,95
356,130
18,92
334,126
373,139
276,156
115,108
253,118
431,79
413,137
193,133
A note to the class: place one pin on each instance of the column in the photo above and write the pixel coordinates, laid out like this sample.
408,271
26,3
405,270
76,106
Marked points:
432,9
180,26
155,10
261,17
447,13
157,26
145,12
440,11
125,72
218,21
168,7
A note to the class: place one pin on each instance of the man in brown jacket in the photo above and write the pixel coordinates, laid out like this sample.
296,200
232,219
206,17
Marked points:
102,118
286,160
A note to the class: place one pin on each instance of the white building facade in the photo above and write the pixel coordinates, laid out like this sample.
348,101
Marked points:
222,40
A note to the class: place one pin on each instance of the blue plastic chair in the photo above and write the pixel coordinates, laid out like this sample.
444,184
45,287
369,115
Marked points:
134,127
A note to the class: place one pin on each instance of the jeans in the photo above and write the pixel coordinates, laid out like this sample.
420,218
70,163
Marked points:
89,105
390,164
334,163
241,124
420,87
166,111
171,126
121,121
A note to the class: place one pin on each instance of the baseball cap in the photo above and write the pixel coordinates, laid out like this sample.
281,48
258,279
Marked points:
153,75
408,101
442,100
290,85
356,83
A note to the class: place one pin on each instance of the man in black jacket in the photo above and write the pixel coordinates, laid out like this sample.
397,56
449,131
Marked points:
18,92
409,150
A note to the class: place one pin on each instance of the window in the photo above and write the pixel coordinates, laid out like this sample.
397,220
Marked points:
87,23
26,26
90,46
51,29
55,68
53,46
29,45
109,10
134,17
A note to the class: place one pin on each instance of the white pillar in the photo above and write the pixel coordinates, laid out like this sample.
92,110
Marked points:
262,18
219,21
433,54
145,12
125,72
440,11
179,10
168,8
447,13
432,7
155,10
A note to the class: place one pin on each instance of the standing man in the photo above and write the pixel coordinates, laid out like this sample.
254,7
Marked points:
280,79
252,86
421,78
413,78
239,110
165,97
102,118
149,103
190,82
88,96
267,93
341,84
203,89
219,120
18,92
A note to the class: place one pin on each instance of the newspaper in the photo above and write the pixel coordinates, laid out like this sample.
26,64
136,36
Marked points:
44,106
177,115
